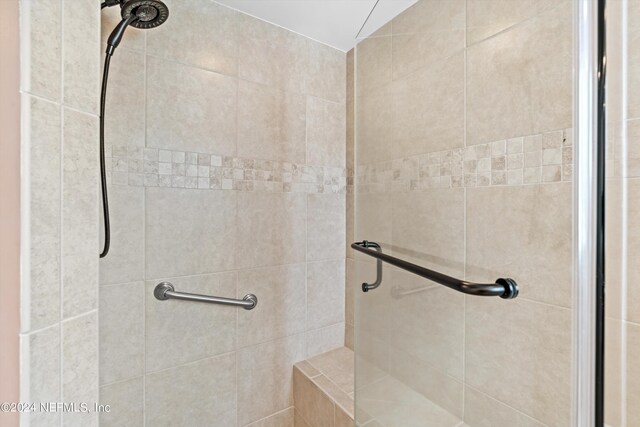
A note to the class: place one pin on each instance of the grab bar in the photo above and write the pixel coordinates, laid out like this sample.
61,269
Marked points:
503,287
165,290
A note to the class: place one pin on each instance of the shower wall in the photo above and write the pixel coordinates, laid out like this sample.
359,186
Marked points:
227,171
60,61
463,117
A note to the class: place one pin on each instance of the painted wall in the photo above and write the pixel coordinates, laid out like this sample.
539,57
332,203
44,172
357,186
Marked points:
9,209
226,140
60,63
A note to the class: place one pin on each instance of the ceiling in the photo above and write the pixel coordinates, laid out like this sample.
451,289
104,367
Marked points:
332,22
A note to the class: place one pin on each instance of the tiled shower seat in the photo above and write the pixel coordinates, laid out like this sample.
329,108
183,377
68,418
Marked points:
323,390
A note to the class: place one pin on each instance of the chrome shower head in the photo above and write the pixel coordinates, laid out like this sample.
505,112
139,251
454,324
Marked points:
148,13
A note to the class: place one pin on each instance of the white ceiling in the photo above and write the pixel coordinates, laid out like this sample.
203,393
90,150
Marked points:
333,22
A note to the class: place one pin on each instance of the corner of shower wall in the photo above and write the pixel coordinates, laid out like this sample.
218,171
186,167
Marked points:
60,62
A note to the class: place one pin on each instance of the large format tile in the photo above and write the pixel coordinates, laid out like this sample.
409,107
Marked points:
374,125
265,377
280,419
42,145
41,376
312,404
80,367
633,371
121,332
200,33
280,312
272,55
193,394
271,123
271,229
525,364
126,402
374,61
325,226
177,332
428,229
633,250
42,46
325,293
124,123
514,88
326,73
426,32
80,213
428,109
484,411
488,17
125,260
523,233
82,60
179,241
190,108
326,132
324,339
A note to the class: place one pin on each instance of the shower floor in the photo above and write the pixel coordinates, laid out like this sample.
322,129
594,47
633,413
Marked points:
324,388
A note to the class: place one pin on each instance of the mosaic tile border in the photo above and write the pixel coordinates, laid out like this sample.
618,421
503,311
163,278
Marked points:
532,159
154,167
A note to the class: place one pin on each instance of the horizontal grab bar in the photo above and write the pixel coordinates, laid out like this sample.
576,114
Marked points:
504,287
165,290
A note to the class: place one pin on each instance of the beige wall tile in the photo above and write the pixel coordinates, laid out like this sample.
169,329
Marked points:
41,376
488,17
433,238
80,367
324,339
272,55
42,145
125,261
271,229
326,132
206,387
338,366
311,402
374,57
374,125
633,371
427,32
633,59
343,419
428,109
80,213
82,60
517,63
325,226
41,62
351,287
281,419
190,108
125,102
484,411
126,404
325,293
211,41
194,330
299,421
326,73
280,291
179,241
496,353
271,123
269,388
529,242
633,250
121,332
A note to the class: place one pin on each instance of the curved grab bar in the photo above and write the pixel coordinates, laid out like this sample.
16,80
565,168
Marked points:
165,290
503,287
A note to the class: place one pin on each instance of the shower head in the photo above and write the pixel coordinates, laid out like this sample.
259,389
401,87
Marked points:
142,14
148,13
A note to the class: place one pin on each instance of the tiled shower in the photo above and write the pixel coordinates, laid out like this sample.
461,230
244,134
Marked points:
244,158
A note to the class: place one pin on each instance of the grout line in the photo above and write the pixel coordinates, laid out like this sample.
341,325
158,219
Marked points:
61,212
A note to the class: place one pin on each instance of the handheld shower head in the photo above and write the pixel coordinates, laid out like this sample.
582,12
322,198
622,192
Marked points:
141,14
149,13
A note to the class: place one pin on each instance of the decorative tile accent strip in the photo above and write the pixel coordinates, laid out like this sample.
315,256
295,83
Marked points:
153,167
524,160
